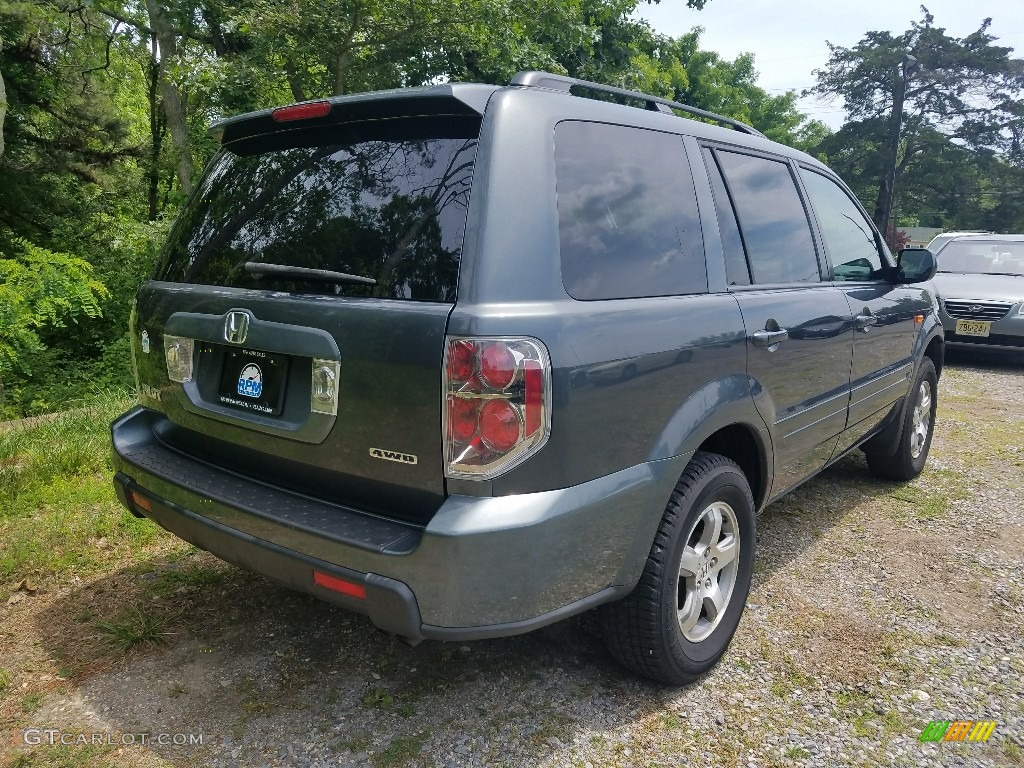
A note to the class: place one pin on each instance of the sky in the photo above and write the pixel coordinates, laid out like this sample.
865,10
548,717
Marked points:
787,37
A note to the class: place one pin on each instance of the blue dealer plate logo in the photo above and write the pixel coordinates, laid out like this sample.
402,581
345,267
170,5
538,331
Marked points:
250,381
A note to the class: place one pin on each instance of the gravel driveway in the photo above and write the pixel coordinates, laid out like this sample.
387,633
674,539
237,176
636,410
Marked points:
875,608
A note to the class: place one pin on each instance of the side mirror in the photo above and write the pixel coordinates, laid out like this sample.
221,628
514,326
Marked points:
915,265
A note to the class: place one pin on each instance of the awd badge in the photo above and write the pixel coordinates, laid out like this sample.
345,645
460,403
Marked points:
401,458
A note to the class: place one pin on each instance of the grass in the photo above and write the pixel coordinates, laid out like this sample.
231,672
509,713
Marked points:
30,702
58,511
132,628
378,698
400,751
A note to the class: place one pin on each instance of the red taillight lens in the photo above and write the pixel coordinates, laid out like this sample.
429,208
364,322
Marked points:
462,418
301,111
497,404
497,365
499,425
461,360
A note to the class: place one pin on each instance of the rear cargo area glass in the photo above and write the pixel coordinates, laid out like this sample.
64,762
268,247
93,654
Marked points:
382,200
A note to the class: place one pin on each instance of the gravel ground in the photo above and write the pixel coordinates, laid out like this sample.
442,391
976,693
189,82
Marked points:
875,608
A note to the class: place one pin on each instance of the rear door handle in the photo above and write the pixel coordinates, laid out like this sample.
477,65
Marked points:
865,321
769,338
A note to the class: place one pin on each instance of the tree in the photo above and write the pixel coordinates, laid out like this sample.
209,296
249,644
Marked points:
907,92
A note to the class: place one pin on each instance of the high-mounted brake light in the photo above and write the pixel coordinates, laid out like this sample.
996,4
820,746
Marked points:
497,405
301,111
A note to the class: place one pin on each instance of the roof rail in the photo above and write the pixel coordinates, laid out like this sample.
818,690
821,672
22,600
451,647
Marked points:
552,82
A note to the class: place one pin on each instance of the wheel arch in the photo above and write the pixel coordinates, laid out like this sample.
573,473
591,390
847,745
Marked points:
746,447
721,418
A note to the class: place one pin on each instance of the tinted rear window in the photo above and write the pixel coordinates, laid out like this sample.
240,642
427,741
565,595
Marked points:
384,201
627,213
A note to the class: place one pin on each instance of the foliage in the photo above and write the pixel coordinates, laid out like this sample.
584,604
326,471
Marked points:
41,289
941,117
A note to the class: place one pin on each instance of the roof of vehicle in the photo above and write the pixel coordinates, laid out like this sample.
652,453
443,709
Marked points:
467,99
988,237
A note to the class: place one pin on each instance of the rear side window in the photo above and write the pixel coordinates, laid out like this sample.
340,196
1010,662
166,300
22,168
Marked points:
736,270
849,237
627,213
772,219
384,202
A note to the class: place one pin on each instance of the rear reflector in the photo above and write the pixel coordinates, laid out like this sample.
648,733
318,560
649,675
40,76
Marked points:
349,588
141,501
301,111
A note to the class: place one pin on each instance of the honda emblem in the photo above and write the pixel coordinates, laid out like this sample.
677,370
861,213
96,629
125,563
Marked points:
236,326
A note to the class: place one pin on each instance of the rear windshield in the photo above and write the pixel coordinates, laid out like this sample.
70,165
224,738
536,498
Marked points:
380,200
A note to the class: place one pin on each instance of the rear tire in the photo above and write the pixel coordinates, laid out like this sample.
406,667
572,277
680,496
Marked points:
916,436
679,620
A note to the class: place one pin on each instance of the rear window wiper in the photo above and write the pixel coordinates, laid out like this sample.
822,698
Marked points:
303,273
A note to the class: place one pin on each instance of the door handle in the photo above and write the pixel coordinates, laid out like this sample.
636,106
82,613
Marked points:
864,321
769,338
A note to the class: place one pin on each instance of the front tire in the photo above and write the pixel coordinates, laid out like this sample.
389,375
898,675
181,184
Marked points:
918,426
679,620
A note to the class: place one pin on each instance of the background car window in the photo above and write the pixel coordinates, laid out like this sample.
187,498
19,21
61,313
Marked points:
849,236
736,270
627,213
983,257
772,219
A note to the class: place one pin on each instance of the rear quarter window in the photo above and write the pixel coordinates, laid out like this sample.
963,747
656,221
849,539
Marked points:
627,213
387,202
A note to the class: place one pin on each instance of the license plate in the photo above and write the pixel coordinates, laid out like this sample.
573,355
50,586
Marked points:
972,328
253,380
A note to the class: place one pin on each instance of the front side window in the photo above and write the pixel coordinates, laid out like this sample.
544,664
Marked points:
386,202
772,219
627,213
849,236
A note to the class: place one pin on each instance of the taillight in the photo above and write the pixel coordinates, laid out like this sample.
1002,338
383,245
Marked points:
497,405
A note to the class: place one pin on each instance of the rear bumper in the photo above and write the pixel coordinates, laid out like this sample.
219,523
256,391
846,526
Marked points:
482,567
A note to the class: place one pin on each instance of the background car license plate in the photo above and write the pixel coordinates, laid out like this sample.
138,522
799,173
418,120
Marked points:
253,380
972,327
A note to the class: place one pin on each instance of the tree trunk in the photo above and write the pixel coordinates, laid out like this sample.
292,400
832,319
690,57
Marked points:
174,104
883,203
157,127
3,111
294,81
